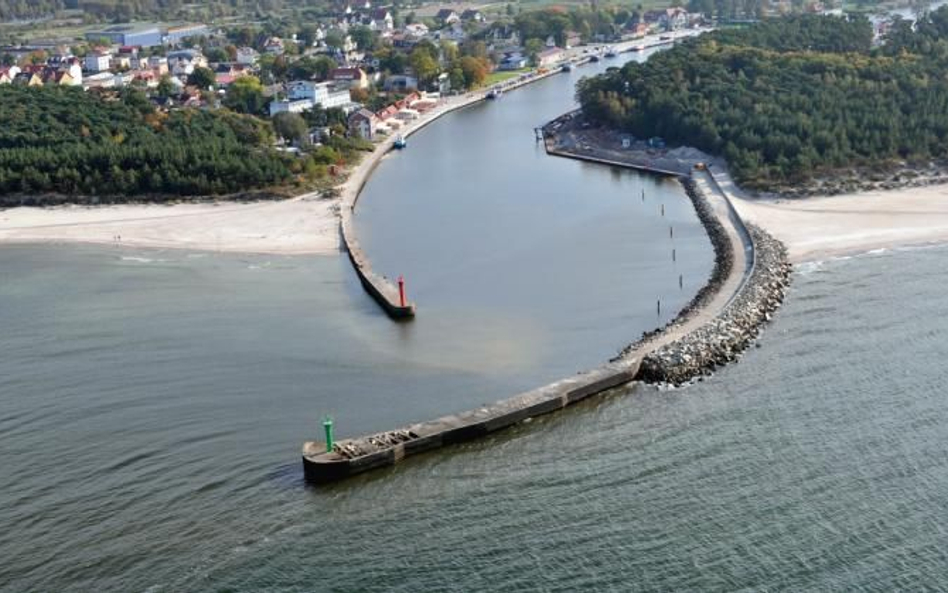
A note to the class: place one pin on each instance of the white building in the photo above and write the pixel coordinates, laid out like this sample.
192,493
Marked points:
297,106
102,80
322,93
97,62
303,95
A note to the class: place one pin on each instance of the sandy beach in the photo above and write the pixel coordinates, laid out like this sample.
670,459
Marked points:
820,227
303,225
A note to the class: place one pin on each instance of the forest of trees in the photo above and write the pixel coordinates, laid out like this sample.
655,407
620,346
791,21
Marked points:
790,98
65,140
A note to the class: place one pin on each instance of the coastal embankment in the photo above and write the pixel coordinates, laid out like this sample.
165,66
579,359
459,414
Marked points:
743,291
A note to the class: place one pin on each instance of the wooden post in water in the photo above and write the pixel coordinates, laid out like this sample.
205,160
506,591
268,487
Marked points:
681,282
673,255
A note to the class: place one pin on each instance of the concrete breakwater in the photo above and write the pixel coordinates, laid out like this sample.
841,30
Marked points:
747,284
354,456
723,339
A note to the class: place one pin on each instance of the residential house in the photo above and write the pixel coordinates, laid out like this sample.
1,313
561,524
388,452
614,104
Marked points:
59,77
159,64
73,66
448,16
8,74
363,123
512,61
454,33
274,46
505,36
417,30
350,78
549,57
28,78
247,55
400,82
121,62
384,21
97,61
225,74
472,14
183,62
668,19
144,77
573,39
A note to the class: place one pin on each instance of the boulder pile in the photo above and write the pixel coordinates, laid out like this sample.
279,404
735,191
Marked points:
722,340
723,263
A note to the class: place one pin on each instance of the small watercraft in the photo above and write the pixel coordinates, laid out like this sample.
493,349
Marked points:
494,94
400,142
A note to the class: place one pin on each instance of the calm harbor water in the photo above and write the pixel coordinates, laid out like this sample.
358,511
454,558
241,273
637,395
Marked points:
506,247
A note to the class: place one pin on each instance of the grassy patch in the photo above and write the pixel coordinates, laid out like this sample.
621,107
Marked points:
500,76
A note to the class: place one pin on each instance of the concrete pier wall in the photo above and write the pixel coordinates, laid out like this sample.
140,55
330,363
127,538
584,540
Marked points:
644,360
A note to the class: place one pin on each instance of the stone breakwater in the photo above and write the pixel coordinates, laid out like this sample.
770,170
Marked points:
723,265
723,339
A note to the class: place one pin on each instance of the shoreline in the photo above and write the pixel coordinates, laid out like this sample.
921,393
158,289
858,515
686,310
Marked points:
302,225
305,225
834,226
812,228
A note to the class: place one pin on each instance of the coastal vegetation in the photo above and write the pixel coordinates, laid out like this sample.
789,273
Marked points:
74,143
790,99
